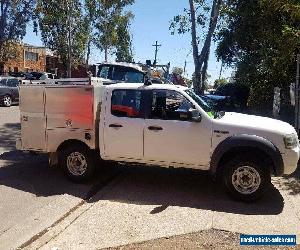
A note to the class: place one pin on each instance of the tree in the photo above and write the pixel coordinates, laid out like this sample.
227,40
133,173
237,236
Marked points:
198,15
63,29
14,16
220,82
261,39
177,70
124,43
110,24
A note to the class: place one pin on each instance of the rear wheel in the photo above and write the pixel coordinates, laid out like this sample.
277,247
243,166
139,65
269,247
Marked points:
7,101
246,178
77,162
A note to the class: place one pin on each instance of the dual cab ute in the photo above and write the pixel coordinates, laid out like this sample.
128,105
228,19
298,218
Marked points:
162,125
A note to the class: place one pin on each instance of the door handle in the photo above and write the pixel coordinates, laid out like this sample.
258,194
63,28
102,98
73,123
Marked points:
155,128
115,126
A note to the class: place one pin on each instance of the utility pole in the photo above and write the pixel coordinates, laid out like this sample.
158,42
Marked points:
156,45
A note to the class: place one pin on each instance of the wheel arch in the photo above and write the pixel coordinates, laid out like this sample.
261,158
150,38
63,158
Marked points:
258,146
70,142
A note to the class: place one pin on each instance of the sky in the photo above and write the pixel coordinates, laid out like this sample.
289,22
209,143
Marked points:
151,23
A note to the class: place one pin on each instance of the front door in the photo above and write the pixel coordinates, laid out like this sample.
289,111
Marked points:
124,125
13,84
170,136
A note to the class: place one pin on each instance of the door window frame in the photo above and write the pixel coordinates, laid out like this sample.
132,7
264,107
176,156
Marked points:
143,104
150,102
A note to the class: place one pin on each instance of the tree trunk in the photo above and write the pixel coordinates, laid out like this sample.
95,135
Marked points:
106,54
88,53
215,11
201,60
204,73
197,76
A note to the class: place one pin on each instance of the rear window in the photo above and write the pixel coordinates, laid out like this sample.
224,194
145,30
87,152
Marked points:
120,74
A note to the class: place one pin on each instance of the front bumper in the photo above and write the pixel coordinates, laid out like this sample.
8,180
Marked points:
290,160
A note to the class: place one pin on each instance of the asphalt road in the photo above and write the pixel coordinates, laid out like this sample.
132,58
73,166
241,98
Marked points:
39,208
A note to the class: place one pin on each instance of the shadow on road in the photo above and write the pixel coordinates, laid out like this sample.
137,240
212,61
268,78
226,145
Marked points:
134,185
8,134
291,183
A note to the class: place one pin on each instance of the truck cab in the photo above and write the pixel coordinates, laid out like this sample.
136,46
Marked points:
161,125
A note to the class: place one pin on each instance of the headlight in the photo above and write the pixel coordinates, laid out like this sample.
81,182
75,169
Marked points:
290,141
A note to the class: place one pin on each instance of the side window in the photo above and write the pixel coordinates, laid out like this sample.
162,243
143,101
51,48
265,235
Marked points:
12,82
169,105
118,74
3,82
103,72
126,103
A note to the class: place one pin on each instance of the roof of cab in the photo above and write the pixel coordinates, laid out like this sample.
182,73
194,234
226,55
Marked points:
123,64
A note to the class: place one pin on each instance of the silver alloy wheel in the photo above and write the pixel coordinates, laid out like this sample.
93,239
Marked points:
76,164
246,180
7,101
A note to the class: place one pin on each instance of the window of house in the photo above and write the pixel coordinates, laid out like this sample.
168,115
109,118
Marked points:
169,105
31,56
126,103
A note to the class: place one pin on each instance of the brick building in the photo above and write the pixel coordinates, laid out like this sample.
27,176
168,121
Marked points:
38,59
30,58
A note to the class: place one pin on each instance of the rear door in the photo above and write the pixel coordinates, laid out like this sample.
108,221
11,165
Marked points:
124,124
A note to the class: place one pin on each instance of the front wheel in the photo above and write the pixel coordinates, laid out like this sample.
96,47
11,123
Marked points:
245,178
77,162
7,101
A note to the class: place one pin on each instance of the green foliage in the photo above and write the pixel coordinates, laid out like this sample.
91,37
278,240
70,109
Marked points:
181,23
124,43
15,14
219,82
177,71
112,25
59,19
261,39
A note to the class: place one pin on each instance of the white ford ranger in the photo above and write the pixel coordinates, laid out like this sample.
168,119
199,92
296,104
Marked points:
163,125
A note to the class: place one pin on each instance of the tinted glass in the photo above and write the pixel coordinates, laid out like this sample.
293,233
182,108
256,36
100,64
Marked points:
103,72
3,82
127,75
169,105
126,103
12,82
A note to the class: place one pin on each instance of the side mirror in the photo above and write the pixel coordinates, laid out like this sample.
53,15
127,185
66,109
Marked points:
195,115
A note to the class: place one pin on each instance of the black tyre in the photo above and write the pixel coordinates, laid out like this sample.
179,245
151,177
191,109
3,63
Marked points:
7,101
78,163
245,178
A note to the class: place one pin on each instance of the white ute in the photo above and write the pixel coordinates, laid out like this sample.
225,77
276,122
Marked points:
163,125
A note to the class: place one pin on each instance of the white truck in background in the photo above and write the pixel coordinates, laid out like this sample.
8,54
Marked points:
153,124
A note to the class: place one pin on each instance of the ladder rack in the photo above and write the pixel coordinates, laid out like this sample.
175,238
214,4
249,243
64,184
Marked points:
64,81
